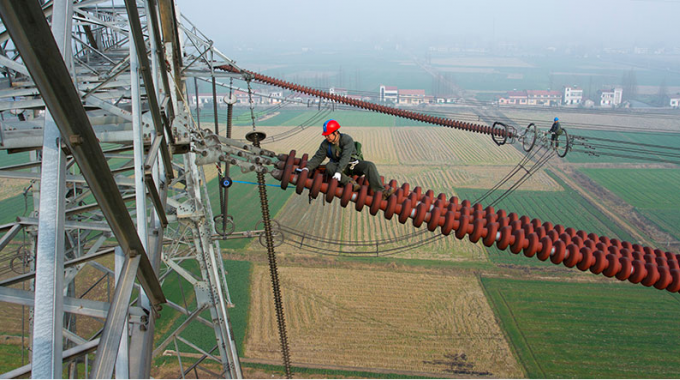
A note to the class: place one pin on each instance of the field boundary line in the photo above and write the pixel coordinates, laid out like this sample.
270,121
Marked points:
516,325
277,363
614,217
521,333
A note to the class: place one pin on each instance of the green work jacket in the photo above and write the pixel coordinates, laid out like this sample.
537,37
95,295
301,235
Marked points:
342,153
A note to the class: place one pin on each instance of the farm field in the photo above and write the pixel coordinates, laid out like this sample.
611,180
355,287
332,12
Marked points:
445,323
572,330
654,192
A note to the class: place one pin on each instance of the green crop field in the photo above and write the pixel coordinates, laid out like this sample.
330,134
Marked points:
628,141
244,203
14,207
179,291
566,207
571,330
654,192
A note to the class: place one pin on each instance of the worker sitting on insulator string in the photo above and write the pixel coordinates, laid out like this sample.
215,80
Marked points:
555,131
345,160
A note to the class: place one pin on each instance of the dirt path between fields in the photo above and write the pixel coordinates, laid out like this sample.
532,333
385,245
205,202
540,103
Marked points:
620,212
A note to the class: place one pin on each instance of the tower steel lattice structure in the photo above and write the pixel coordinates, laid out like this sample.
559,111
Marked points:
96,93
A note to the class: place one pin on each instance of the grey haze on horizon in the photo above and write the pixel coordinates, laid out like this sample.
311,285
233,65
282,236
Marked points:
306,23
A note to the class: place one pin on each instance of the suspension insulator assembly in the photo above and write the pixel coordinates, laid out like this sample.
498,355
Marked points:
501,134
531,237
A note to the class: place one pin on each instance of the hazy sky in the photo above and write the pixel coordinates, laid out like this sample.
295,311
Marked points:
539,22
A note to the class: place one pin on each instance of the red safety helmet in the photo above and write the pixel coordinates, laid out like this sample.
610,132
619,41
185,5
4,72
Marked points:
329,127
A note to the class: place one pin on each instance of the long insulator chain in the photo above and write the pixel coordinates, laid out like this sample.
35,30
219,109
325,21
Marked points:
479,128
271,255
586,251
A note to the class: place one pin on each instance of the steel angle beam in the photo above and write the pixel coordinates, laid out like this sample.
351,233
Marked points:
33,39
118,181
6,238
145,68
67,355
96,309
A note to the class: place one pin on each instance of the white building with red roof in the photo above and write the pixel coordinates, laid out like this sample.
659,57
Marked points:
414,97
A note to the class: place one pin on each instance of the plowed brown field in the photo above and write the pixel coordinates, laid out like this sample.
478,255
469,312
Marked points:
383,320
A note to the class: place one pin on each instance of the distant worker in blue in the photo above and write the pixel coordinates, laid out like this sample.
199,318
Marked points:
346,160
555,131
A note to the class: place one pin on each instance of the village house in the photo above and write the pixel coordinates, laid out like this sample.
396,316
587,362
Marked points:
611,98
675,102
389,94
573,96
414,97
532,98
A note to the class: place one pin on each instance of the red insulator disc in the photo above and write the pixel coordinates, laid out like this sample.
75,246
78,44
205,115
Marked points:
577,240
674,286
287,170
559,228
316,185
361,198
477,229
519,242
553,235
449,220
405,211
565,238
375,202
407,188
302,181
531,249
626,267
652,275
418,192
587,259
572,256
546,248
463,227
330,192
525,220
491,232
391,206
601,262
540,231
613,265
400,195
665,278
639,272
560,250
421,210
506,233
435,215
346,195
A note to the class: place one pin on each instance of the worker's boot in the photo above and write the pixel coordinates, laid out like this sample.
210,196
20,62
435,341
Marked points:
387,193
355,185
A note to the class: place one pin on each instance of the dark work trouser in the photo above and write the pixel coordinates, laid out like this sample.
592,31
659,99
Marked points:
365,168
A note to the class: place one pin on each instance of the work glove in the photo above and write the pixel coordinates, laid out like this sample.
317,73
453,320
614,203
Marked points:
337,176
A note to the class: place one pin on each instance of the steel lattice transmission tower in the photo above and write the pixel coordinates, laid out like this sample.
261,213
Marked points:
95,91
